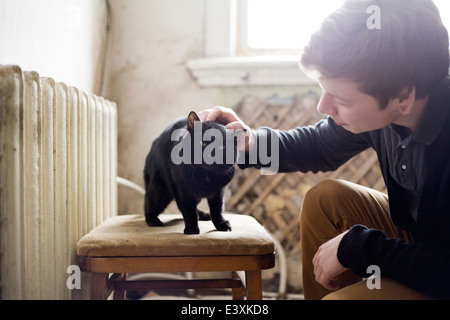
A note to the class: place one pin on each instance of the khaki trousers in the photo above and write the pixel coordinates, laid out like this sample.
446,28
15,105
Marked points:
332,207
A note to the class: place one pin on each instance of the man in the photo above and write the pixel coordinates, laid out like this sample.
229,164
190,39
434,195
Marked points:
386,88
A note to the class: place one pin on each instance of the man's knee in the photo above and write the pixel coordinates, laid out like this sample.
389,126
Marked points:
323,197
325,189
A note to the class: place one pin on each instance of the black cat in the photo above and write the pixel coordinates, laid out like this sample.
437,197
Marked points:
187,162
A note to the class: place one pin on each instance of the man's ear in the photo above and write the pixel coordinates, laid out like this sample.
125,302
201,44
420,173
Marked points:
406,99
191,120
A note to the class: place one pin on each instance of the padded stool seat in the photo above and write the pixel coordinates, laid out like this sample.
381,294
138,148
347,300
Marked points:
126,244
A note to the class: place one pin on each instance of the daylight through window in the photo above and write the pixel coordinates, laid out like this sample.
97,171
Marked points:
285,26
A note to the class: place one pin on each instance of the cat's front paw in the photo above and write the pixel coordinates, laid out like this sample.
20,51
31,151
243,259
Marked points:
191,230
223,226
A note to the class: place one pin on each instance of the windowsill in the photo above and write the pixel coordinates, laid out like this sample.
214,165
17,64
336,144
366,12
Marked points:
248,71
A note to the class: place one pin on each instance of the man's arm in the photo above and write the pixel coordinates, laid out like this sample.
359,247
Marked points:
422,267
322,147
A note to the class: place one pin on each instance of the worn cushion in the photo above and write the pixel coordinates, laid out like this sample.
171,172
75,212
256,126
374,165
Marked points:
130,236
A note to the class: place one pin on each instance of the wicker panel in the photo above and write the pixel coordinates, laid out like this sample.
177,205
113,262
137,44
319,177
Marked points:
276,200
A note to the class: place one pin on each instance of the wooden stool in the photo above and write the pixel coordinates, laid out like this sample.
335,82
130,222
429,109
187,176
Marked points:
125,244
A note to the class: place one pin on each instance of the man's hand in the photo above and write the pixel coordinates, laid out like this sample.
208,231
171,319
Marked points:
230,120
326,264
224,116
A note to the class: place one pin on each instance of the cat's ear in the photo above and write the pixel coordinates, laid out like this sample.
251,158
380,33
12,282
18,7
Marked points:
191,120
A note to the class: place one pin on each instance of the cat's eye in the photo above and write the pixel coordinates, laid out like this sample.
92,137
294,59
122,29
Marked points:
203,144
222,147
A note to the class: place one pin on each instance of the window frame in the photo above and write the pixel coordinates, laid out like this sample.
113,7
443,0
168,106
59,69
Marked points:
221,65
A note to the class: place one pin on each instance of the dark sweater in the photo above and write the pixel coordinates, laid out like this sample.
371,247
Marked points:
419,191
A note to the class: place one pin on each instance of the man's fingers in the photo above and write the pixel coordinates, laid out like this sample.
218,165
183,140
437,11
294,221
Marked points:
204,114
210,114
236,125
316,264
214,115
325,281
320,275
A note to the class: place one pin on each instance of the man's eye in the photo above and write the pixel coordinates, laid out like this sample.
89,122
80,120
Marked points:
222,147
203,144
343,103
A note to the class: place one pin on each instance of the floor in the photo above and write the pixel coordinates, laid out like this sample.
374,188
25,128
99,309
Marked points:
270,291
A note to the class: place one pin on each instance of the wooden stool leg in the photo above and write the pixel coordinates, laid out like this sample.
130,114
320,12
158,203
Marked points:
119,294
98,286
238,293
254,285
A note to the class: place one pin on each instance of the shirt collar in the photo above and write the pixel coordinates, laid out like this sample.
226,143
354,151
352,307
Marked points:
435,115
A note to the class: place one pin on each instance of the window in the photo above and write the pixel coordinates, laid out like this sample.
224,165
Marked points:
283,27
257,42
444,8
279,27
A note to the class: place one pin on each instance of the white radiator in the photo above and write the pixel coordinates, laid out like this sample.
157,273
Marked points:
58,168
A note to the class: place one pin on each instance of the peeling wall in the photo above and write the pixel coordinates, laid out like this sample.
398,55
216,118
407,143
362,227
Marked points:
149,80
61,39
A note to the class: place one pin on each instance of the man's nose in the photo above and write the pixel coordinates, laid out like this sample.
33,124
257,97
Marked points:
327,105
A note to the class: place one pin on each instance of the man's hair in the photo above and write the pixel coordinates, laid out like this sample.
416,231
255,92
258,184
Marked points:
410,49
